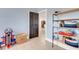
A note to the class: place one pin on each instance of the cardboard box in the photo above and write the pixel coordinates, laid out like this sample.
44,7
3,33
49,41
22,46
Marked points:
21,38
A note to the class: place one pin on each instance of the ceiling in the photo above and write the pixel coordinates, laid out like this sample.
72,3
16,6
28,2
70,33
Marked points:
35,9
53,9
63,9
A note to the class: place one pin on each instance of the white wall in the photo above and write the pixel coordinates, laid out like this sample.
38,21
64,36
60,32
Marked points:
42,16
49,24
15,18
47,15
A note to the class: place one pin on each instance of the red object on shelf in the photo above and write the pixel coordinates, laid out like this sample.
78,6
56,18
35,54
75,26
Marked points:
65,33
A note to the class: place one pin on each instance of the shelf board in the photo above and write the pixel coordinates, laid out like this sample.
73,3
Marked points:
65,28
70,19
76,9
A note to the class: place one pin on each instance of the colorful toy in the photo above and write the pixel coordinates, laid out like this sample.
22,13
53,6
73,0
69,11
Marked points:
8,38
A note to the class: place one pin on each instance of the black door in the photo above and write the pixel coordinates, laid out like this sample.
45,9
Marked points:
34,24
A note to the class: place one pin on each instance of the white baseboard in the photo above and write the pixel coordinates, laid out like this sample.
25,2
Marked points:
62,45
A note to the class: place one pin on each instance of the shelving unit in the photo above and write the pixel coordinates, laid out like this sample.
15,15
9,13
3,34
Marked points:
69,19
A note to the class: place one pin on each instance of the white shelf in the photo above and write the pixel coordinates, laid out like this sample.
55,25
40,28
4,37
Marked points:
66,19
66,28
59,43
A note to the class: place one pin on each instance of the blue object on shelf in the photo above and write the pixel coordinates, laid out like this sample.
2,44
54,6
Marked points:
72,43
70,25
